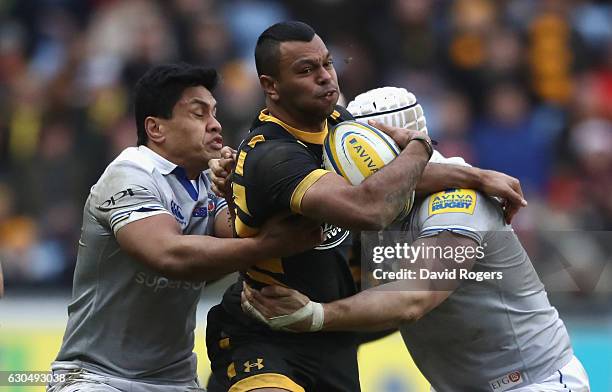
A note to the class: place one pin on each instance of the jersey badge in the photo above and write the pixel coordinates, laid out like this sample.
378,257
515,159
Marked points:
253,365
506,382
453,200
333,236
177,212
200,212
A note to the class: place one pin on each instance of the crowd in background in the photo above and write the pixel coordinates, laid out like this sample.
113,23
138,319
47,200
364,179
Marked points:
519,86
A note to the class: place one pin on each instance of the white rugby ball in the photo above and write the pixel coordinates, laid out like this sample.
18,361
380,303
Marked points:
356,150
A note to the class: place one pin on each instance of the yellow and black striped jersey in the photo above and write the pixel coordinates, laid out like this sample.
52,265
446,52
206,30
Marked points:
276,165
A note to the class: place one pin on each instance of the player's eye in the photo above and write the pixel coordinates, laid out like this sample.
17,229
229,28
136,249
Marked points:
329,63
198,115
306,70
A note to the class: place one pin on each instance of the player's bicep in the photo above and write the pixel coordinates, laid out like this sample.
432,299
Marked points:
333,200
292,178
125,194
148,239
223,223
278,170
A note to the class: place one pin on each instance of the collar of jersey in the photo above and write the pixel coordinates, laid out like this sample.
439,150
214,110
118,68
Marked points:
163,165
308,137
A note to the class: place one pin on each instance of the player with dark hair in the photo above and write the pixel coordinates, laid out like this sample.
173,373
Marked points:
267,50
487,325
160,88
279,168
146,247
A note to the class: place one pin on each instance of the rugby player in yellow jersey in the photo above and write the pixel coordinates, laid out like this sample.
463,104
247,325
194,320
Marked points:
279,168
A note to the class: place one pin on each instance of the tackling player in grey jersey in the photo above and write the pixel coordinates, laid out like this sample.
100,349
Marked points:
147,245
100,335
494,334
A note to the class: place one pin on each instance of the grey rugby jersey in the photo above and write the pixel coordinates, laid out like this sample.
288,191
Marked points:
492,335
126,319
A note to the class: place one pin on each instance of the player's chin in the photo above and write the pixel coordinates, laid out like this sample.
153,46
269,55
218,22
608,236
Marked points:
325,107
212,154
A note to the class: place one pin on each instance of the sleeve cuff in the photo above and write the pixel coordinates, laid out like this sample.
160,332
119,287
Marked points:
303,186
135,216
461,230
223,206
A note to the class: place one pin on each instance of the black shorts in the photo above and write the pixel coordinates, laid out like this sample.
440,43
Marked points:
244,359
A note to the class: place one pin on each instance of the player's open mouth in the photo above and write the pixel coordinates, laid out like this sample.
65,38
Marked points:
216,143
329,94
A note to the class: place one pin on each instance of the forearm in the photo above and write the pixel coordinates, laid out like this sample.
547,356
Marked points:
401,301
373,310
199,258
386,191
437,177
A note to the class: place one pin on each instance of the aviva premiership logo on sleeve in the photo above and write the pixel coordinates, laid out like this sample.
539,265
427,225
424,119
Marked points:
452,200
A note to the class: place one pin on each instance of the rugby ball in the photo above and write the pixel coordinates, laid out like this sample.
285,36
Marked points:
357,150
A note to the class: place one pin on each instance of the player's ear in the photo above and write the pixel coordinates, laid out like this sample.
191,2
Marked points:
268,84
155,129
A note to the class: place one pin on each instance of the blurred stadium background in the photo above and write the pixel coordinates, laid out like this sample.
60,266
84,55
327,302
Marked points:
520,86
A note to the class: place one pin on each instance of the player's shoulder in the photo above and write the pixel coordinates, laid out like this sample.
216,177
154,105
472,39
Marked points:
264,136
340,114
269,140
132,159
269,154
131,167
268,128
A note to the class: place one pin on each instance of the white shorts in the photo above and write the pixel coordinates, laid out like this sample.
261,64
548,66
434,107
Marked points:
570,378
80,380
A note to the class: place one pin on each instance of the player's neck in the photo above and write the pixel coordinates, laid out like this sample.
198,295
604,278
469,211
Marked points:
296,120
192,172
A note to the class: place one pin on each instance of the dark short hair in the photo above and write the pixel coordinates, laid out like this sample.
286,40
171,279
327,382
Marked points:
160,88
267,53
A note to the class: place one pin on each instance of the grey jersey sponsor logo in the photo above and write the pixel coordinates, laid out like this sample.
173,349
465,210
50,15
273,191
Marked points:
157,282
486,332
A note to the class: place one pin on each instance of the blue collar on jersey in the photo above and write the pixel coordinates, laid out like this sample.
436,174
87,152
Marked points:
181,175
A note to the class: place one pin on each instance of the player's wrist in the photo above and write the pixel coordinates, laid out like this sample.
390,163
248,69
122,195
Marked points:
318,316
327,315
480,177
424,141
